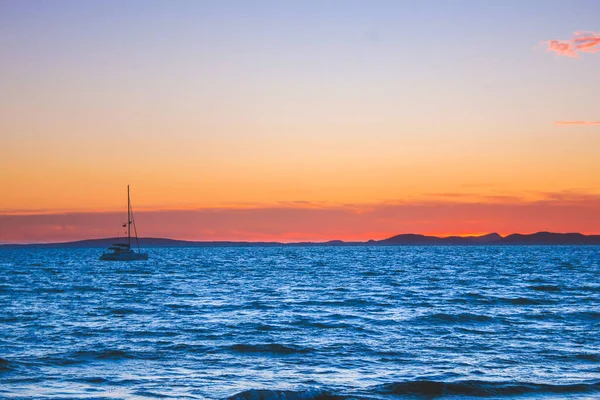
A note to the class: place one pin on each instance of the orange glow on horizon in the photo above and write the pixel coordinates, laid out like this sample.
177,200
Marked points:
559,212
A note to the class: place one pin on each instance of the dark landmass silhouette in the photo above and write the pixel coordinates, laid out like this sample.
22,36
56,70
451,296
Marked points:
422,240
551,239
492,239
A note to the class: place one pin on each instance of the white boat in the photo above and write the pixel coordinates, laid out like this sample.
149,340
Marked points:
123,251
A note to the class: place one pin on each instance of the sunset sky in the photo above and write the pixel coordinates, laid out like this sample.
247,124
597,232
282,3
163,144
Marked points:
298,120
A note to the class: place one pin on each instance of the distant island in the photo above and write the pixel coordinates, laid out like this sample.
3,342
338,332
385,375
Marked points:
492,239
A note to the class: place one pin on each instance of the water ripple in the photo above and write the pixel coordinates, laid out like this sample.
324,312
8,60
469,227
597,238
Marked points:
301,323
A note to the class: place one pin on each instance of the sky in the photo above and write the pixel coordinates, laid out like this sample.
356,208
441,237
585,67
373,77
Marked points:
298,120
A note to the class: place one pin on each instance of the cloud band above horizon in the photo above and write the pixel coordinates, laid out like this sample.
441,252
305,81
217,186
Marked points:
582,123
558,213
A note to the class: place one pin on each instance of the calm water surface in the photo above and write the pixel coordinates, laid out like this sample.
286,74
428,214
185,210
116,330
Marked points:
302,323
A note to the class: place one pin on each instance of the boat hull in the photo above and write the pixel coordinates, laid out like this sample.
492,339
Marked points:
124,257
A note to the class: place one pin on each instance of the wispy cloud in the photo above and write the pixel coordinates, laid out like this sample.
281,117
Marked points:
565,211
581,42
582,123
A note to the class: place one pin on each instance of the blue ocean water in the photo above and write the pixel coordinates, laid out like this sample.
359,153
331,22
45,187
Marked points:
302,323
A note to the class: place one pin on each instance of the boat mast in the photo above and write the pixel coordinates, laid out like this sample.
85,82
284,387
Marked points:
128,219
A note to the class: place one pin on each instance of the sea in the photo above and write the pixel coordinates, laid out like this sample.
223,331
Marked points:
292,322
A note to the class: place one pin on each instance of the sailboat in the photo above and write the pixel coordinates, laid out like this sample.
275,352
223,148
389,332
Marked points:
123,251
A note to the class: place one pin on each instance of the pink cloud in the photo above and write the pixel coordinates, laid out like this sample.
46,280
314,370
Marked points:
583,123
581,42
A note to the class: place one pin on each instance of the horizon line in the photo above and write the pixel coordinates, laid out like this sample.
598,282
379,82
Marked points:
502,236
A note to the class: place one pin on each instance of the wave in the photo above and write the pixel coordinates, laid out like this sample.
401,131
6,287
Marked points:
50,290
177,306
455,318
545,288
189,348
521,301
582,316
122,311
259,305
257,327
589,288
93,380
19,367
147,393
483,388
332,321
330,325
5,365
18,272
85,289
428,389
255,394
14,319
588,357
158,333
371,273
341,303
83,356
471,298
103,354
273,348
569,356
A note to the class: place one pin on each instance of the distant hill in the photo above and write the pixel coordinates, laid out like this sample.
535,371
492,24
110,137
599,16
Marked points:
422,240
144,242
486,239
410,239
540,238
549,238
